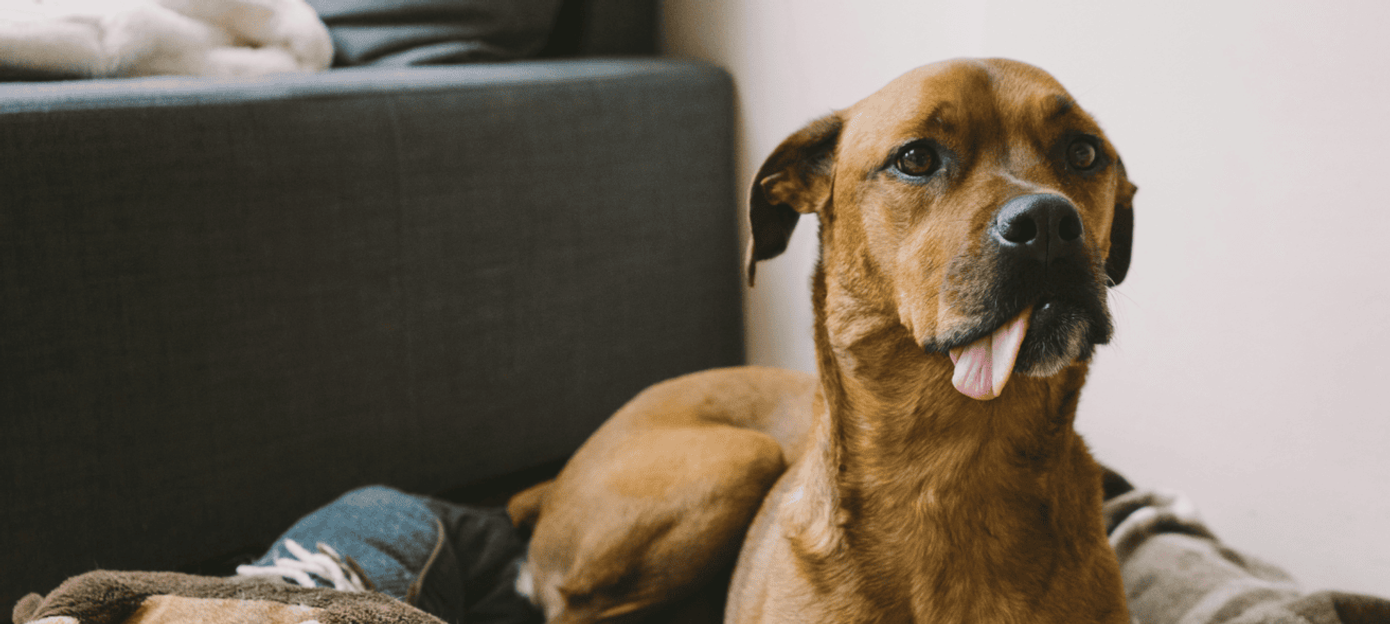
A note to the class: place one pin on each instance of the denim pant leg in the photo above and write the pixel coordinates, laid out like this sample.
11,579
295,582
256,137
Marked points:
395,539
455,562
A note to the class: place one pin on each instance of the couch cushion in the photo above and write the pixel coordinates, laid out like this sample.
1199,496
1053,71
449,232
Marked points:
429,32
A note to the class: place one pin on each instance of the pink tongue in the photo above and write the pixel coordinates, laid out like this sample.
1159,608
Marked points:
984,366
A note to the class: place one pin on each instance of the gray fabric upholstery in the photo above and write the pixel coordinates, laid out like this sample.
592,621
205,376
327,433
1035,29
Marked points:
431,32
223,303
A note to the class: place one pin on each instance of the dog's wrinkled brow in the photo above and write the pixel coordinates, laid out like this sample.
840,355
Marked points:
939,117
1062,106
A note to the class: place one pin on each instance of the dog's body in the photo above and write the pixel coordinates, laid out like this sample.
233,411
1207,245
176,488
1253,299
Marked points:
676,475
971,217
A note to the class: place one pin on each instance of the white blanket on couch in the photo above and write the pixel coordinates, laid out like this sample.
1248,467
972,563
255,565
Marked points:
110,38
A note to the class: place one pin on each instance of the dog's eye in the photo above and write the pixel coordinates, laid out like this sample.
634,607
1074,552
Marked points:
1081,154
917,161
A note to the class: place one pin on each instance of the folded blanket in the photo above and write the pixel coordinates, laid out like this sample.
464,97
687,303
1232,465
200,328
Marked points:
112,38
1177,572
105,597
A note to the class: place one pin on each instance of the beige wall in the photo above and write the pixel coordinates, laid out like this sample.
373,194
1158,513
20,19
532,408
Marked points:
1250,366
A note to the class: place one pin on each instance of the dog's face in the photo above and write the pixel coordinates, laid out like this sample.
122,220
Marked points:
963,199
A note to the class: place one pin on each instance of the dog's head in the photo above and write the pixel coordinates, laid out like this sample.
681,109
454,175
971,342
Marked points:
974,203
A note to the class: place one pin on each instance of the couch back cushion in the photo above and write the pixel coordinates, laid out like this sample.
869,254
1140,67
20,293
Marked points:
432,32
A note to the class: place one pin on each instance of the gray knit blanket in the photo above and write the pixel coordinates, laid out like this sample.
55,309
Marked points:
1177,572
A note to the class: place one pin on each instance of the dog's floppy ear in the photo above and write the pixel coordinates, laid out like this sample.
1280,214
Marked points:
1121,228
794,180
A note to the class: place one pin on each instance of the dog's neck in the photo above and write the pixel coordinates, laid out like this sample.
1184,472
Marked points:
946,506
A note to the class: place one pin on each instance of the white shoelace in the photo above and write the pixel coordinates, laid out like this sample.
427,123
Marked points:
327,564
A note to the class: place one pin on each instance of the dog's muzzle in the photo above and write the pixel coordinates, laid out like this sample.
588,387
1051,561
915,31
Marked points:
1044,306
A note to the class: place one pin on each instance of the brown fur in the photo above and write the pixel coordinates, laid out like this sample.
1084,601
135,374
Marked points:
902,499
656,502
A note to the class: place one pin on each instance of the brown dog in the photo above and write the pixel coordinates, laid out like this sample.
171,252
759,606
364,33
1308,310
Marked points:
971,217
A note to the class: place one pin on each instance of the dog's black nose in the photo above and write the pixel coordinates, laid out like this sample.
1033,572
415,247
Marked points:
1042,227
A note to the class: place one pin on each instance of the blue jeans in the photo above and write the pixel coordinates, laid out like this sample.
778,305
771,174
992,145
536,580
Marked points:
455,562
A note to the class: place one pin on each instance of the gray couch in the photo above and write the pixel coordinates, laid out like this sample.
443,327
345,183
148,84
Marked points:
223,303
